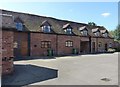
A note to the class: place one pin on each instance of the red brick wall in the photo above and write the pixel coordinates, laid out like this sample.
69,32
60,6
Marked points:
36,39
7,52
21,38
0,51
62,49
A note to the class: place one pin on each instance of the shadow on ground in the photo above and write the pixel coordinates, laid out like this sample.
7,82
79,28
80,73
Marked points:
28,74
33,58
54,57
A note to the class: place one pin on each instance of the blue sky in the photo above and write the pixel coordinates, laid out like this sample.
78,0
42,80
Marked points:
102,13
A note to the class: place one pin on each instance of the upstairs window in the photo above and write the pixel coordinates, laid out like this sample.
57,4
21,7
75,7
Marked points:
67,28
69,43
97,34
84,32
46,29
105,34
19,26
68,31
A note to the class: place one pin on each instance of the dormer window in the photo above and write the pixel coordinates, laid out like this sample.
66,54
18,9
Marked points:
105,34
97,33
46,29
19,26
84,32
67,28
19,23
68,31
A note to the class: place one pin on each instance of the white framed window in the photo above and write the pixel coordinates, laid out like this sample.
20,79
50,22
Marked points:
105,34
19,26
45,44
68,31
110,45
69,43
84,32
97,34
46,29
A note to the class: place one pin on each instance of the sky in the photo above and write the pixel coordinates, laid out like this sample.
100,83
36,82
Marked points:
102,13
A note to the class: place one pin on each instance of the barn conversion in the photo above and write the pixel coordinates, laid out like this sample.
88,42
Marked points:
26,34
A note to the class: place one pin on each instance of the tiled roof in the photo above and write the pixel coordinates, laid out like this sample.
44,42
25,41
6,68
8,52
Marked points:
7,21
95,30
33,23
82,28
103,31
66,25
45,23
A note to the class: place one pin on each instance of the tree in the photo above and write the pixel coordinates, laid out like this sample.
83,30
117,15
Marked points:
117,33
92,24
112,33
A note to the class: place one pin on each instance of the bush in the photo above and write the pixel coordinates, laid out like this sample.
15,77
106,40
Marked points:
117,49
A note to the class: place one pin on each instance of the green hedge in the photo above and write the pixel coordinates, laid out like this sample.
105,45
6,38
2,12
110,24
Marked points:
117,49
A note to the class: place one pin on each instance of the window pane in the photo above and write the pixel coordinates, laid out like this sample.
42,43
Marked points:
45,44
66,44
19,26
46,29
69,43
69,31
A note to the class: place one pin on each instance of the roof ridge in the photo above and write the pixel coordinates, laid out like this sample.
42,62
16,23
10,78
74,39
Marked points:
46,17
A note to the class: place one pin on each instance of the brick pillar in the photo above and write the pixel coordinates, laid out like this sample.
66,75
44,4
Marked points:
7,52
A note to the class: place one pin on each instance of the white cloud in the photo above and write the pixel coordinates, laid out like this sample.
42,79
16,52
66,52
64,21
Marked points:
105,14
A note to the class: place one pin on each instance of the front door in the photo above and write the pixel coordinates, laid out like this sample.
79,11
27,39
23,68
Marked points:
24,48
21,48
106,47
93,47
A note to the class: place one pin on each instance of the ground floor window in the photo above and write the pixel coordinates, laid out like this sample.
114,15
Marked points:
15,45
69,43
45,44
110,45
100,44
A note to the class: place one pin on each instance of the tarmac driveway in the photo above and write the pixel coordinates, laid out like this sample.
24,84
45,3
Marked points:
80,70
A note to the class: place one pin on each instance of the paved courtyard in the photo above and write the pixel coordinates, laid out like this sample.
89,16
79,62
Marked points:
76,70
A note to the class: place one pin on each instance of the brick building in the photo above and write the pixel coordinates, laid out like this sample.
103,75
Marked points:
32,35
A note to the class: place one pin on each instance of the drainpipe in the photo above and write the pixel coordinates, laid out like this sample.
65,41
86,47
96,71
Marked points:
90,44
56,44
97,44
29,43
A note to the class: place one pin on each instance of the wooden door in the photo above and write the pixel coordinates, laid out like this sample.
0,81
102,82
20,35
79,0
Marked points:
105,47
93,46
24,48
